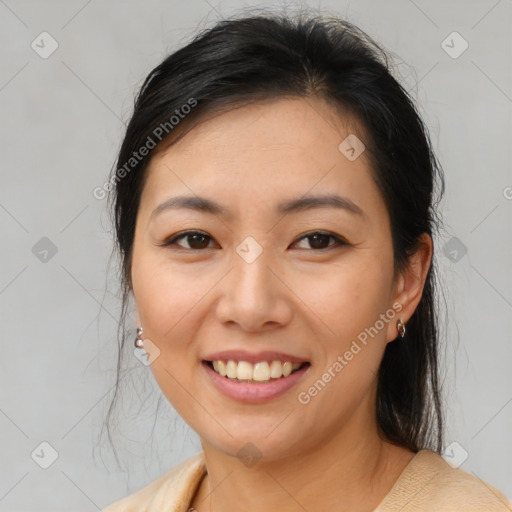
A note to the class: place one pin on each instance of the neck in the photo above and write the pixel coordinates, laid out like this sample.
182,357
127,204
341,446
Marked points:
353,470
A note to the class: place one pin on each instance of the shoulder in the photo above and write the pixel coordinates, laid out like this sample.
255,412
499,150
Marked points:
167,493
429,483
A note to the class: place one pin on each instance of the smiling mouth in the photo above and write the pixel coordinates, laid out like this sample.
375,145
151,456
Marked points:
261,372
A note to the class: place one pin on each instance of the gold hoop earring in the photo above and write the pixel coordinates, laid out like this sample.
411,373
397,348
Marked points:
401,327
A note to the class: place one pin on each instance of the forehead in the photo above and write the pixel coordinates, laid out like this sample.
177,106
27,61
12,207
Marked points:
264,152
307,126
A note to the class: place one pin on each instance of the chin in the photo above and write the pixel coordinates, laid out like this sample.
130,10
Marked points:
263,441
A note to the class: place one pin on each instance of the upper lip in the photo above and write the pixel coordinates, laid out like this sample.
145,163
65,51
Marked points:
253,357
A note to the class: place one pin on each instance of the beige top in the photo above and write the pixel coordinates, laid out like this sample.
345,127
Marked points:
427,484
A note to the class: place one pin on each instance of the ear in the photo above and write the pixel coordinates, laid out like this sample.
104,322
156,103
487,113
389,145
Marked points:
409,284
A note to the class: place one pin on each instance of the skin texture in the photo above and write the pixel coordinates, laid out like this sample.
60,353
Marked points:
295,298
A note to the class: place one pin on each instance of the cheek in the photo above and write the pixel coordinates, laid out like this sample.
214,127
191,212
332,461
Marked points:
167,301
165,296
171,301
350,303
349,299
360,313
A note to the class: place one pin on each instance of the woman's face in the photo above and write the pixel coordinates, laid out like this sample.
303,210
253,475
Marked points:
261,283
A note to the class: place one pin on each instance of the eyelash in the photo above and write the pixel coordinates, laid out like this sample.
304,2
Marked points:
338,240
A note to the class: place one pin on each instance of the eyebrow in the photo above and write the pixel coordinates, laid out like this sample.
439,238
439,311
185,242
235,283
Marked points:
301,204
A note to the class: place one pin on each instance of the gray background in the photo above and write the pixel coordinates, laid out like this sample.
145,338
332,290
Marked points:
62,121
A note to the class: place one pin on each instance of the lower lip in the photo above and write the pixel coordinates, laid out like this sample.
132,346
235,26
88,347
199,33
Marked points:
252,393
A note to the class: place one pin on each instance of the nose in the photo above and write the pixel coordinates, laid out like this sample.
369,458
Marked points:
254,295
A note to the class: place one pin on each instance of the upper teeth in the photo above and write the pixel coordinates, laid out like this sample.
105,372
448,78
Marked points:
260,371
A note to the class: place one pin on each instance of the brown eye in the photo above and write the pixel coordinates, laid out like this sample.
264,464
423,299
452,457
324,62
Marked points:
196,240
319,240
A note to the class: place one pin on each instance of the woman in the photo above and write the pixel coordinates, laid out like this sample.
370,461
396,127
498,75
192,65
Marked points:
274,207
